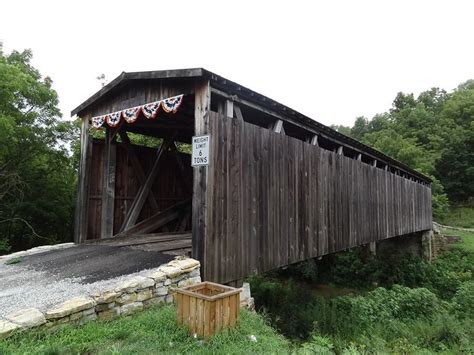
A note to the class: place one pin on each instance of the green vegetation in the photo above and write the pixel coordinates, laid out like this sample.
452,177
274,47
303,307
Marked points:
37,173
421,307
458,217
393,306
150,332
432,133
13,261
467,238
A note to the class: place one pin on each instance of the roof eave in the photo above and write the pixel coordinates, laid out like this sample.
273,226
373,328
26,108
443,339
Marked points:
124,76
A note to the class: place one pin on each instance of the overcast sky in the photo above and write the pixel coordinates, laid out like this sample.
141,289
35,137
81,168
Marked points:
331,60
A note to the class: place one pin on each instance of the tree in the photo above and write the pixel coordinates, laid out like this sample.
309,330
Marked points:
455,166
36,173
432,133
342,129
360,127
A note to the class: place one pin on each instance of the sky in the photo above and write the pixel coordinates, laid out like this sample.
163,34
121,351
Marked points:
330,60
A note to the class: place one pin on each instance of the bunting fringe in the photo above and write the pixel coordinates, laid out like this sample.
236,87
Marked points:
130,115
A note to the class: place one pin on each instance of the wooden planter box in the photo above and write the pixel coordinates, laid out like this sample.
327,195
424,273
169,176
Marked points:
207,308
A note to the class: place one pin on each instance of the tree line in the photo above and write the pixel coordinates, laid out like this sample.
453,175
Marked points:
432,133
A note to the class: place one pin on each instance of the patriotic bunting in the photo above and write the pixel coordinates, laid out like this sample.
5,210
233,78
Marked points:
97,122
113,119
130,115
172,104
151,110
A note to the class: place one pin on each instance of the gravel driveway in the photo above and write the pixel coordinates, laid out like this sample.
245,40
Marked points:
43,280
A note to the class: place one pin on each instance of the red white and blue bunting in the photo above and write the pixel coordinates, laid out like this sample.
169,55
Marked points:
130,115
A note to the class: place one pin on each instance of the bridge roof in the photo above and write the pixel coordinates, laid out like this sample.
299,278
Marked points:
251,97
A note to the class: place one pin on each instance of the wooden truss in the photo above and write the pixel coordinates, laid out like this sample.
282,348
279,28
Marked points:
175,217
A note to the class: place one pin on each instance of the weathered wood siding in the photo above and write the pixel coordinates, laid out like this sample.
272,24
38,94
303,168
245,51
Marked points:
168,187
139,93
273,200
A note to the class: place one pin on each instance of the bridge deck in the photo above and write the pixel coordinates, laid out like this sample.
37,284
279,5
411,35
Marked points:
177,243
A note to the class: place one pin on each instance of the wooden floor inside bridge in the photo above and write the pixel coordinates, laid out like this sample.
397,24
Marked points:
178,243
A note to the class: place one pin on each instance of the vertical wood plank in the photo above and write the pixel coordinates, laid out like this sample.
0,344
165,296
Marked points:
279,200
179,308
82,201
207,319
108,188
192,315
202,104
226,312
219,315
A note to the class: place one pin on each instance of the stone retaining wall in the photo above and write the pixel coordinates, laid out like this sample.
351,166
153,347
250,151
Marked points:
135,294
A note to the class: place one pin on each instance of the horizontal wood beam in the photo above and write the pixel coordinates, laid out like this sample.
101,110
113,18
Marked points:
138,239
163,126
181,136
158,220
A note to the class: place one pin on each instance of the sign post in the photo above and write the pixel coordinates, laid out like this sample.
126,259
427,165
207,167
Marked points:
200,151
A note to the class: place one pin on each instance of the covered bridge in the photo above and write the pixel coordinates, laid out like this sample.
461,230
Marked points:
278,186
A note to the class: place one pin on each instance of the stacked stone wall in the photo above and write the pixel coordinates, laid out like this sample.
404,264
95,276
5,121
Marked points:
130,296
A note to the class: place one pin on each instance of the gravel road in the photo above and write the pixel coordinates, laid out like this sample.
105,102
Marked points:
44,280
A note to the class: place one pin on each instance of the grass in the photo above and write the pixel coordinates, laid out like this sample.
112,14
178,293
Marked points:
458,217
13,261
150,332
467,237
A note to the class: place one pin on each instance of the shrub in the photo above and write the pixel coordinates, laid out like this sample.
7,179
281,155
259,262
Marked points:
353,268
421,308
4,246
463,300
317,345
290,306
363,313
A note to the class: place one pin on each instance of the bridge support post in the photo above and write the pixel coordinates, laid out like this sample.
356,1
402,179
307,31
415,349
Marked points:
373,248
408,245
427,245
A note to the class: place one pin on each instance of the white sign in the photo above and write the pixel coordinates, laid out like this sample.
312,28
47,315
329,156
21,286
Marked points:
200,154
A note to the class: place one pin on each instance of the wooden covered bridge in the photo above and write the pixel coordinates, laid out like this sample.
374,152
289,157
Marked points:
278,186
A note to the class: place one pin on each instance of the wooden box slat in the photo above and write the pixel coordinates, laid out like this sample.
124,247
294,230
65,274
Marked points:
207,308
